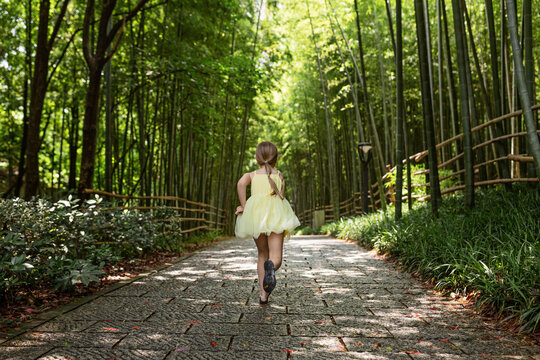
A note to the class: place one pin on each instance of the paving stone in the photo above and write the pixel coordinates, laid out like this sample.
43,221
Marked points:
169,342
173,327
64,326
390,345
324,355
494,347
361,321
102,354
23,353
218,317
238,329
66,339
298,319
220,355
130,290
284,343
337,330
416,355
437,333
126,313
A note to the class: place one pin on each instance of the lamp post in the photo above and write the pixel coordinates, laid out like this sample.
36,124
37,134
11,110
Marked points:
364,150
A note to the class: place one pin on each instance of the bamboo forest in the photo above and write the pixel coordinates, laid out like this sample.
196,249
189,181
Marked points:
410,128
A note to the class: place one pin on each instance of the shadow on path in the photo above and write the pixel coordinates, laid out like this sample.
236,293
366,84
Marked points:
333,300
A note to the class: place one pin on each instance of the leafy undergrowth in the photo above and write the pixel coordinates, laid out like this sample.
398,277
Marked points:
491,252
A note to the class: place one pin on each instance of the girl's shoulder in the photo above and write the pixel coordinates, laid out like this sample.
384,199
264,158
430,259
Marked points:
262,172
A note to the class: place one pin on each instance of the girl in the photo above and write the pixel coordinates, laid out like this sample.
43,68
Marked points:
266,216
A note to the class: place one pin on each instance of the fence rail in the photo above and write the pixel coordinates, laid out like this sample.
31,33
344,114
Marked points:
346,209
199,216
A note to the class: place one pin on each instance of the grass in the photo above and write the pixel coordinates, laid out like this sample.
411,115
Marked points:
492,250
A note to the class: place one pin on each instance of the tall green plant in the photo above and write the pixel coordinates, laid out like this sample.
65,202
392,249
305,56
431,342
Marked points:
524,96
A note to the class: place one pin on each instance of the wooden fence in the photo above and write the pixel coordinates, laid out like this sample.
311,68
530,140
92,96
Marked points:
197,216
352,206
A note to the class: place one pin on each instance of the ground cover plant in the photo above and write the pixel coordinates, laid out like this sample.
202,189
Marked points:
492,250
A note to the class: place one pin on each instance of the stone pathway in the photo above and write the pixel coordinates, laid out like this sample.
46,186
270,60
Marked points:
333,300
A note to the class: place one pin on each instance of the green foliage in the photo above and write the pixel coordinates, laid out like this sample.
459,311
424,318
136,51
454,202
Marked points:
65,243
492,249
329,229
306,230
204,237
420,179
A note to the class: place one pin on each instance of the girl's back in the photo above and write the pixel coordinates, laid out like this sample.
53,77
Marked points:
261,186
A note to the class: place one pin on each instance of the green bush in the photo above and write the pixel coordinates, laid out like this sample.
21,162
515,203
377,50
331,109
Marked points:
493,249
65,243
306,230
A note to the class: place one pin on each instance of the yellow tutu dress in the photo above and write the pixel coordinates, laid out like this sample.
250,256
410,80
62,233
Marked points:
265,213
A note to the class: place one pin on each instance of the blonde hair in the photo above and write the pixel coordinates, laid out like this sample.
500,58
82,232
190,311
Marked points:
266,155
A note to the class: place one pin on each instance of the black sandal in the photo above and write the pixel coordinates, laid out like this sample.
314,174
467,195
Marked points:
269,281
263,302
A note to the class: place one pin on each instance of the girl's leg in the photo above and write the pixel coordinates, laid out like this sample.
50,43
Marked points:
275,247
263,252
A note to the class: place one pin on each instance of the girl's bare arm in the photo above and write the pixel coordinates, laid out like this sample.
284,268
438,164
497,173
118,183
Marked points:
241,187
282,184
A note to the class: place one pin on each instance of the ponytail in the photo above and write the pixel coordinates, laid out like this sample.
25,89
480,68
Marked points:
272,182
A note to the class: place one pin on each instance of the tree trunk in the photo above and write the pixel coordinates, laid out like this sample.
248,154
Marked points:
73,140
108,120
27,76
334,190
500,146
362,75
399,110
427,105
96,60
452,96
37,93
529,66
524,96
90,131
464,102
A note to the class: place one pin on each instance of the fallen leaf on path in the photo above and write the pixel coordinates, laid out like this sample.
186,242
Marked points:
110,329
213,343
377,345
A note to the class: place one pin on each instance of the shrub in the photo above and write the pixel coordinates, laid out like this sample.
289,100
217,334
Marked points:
306,230
65,243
